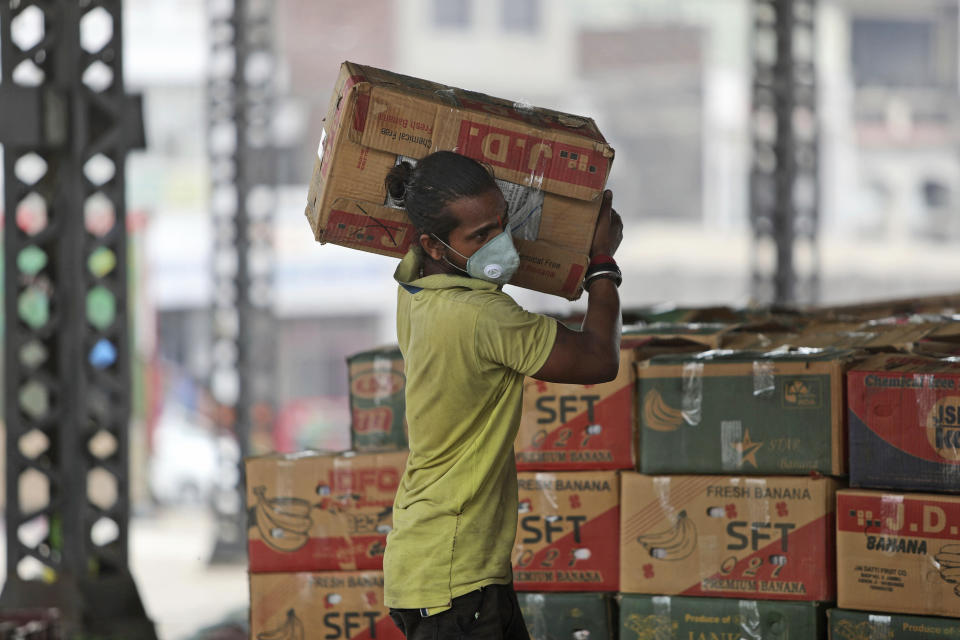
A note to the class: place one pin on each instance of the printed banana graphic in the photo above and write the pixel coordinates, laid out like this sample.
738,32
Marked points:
284,523
948,559
847,630
291,629
658,415
673,543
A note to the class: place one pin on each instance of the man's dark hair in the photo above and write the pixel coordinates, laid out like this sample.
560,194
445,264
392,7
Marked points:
438,179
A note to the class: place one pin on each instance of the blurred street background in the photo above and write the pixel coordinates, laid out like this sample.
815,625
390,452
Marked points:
668,82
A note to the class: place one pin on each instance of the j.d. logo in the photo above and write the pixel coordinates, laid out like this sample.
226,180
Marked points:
943,428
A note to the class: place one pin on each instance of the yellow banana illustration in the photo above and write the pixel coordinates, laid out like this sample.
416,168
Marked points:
673,543
847,630
284,523
658,415
291,629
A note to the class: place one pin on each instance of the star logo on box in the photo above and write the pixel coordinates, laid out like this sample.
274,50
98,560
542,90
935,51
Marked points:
747,449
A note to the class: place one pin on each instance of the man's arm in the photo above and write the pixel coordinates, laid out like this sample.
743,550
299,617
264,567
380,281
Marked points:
592,355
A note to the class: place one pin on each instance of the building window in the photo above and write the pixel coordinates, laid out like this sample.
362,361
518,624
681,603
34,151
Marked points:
452,14
894,53
520,15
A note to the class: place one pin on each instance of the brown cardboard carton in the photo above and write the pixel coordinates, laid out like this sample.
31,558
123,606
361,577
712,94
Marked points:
320,606
567,531
320,512
898,552
376,117
728,536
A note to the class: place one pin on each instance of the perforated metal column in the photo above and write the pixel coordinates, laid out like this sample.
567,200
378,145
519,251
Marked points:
785,195
242,202
66,127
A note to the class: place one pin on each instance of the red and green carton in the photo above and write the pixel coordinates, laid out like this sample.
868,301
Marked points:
377,400
567,531
320,606
863,625
779,412
770,538
905,423
686,618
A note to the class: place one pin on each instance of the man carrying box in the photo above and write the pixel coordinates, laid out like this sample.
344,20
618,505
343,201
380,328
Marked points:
467,347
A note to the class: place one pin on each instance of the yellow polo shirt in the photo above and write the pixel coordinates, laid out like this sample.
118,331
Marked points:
466,348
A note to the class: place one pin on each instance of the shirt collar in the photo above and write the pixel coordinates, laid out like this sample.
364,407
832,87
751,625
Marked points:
408,272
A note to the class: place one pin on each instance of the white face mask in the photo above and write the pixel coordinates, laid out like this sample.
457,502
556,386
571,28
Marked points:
495,261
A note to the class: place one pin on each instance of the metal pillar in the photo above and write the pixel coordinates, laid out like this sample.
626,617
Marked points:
242,201
784,184
66,127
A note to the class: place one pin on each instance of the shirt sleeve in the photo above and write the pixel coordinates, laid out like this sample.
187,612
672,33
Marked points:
508,335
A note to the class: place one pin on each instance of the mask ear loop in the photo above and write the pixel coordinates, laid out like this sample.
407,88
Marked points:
447,260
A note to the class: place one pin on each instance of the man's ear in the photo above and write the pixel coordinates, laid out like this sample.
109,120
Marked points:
432,247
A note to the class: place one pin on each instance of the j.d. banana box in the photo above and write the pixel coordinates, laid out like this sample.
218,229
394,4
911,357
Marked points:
579,427
567,531
567,615
735,537
320,512
861,625
905,423
552,168
898,552
780,412
666,618
377,401
320,606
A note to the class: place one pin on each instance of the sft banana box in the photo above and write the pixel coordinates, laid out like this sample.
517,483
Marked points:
905,423
745,412
862,625
567,531
656,617
377,400
320,606
551,167
567,615
313,511
734,537
898,552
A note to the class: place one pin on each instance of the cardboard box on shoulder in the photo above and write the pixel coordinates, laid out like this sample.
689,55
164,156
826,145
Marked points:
551,166
665,617
904,417
315,511
567,615
567,531
863,625
743,412
898,552
320,606
377,401
732,537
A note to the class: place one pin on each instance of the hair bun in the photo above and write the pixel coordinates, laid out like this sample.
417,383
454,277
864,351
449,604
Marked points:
398,179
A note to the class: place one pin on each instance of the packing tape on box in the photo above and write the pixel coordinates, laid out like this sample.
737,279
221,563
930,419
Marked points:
692,393
880,626
750,625
662,611
926,396
731,433
764,372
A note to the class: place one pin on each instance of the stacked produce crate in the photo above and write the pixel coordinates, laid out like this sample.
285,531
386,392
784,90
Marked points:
898,526
318,521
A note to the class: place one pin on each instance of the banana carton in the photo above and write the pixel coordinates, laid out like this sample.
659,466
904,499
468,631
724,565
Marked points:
320,606
552,168
735,537
665,617
898,552
779,412
377,401
861,625
314,511
567,615
904,415
567,531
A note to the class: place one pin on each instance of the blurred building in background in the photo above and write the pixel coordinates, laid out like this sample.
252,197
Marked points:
668,82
